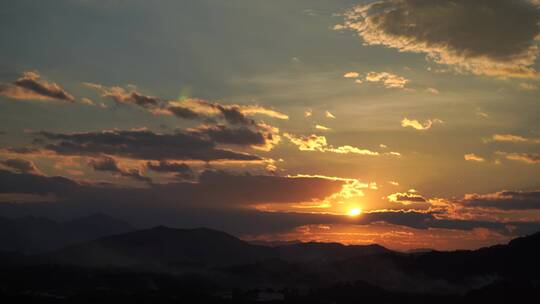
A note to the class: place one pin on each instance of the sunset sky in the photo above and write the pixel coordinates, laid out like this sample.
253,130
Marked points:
407,123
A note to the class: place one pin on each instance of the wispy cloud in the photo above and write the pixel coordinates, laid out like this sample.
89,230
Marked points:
389,80
504,200
524,86
109,164
528,158
514,139
407,198
30,86
415,124
473,157
351,75
322,128
327,114
318,143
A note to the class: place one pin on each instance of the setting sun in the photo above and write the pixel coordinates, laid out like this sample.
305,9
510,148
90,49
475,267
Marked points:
354,212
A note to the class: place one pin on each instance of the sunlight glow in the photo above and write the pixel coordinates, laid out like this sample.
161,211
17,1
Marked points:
354,212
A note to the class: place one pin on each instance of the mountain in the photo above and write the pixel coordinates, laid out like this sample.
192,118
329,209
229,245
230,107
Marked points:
518,258
164,247
312,251
34,234
196,248
205,263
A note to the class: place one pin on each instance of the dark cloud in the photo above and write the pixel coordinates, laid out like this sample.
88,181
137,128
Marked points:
490,37
234,136
36,184
20,165
409,197
234,116
231,113
143,100
109,164
213,189
505,200
181,170
250,189
141,144
21,150
122,96
31,86
216,201
104,164
184,112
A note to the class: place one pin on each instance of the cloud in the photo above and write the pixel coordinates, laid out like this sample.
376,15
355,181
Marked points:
514,138
241,136
109,164
184,112
218,200
432,91
528,158
123,96
351,75
389,80
87,101
318,143
30,86
473,157
259,110
213,189
393,153
505,200
486,37
528,87
406,198
140,144
481,114
181,170
322,128
20,165
233,114
192,109
413,123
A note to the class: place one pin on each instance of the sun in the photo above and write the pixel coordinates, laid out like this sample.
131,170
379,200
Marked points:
354,212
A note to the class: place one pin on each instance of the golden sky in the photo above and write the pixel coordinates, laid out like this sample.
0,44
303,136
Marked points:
412,124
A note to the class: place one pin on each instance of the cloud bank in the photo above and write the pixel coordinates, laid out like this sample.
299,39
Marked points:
484,37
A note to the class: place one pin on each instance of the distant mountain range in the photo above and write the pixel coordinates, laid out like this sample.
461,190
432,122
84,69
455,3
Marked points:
218,261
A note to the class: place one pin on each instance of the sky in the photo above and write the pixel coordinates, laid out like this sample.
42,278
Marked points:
407,123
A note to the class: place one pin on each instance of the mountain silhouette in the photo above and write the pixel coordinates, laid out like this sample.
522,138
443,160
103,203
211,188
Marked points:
206,263
164,247
312,251
201,247
35,234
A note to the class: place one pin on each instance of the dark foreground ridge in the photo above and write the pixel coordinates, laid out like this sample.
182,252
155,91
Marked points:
166,265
